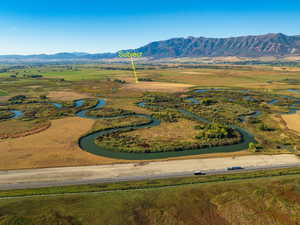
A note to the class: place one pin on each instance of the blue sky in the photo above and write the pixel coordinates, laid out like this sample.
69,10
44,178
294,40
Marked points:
45,26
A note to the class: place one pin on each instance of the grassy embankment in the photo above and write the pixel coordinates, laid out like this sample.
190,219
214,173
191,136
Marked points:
3,93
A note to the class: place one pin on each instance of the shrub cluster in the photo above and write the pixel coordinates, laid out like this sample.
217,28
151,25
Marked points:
107,112
119,81
264,127
215,130
17,99
145,79
5,114
166,116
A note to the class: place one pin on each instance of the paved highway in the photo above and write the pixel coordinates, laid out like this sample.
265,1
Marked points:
34,178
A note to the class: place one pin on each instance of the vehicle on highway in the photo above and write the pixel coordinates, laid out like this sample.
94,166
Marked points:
199,173
235,168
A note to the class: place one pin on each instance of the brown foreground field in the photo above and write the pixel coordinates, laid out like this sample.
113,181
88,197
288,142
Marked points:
56,146
292,121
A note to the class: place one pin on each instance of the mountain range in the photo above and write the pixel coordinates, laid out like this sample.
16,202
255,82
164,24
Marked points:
245,46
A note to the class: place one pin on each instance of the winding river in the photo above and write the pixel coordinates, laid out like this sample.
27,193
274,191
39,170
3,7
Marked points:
18,113
87,142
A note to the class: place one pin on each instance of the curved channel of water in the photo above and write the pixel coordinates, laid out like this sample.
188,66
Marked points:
82,113
18,113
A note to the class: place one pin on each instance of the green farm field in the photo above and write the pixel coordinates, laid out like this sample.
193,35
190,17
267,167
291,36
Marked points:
71,73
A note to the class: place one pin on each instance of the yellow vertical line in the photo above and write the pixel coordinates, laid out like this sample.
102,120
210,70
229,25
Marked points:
134,72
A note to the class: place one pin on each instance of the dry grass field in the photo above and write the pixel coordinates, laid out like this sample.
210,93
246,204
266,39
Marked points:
54,147
158,86
256,77
293,121
66,95
11,127
169,131
287,69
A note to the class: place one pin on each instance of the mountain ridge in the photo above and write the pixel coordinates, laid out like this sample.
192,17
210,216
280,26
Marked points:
272,44
245,46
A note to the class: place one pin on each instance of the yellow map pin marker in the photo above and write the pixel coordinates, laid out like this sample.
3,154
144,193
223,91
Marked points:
131,55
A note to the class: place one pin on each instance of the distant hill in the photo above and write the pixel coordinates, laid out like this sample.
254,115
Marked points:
244,46
56,57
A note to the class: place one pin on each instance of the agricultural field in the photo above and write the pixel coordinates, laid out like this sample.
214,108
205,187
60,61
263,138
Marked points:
71,115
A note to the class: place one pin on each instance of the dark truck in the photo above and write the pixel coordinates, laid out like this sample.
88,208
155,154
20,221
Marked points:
235,168
199,173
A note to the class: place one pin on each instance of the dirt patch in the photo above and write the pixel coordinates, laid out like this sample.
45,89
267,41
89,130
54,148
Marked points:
66,95
292,121
292,58
54,147
34,86
159,86
4,98
195,73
